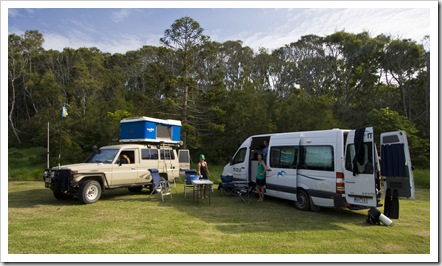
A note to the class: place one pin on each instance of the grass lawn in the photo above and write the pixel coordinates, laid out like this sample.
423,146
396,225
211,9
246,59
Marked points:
139,226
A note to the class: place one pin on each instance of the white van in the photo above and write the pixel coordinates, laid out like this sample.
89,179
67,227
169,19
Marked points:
325,168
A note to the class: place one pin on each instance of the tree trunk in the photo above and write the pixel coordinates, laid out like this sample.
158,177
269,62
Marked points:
11,111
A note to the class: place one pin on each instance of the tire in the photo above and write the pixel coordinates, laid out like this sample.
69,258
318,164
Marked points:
302,201
135,189
62,196
89,192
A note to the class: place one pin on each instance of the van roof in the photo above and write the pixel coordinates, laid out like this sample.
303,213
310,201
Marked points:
283,134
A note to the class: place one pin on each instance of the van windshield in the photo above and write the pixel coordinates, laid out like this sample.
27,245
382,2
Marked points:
103,156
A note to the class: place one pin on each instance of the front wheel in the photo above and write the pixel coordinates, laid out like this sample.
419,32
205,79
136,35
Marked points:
302,201
89,192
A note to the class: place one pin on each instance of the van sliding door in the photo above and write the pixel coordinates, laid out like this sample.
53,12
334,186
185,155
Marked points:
360,172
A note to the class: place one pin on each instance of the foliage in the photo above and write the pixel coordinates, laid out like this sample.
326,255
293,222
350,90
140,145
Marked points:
387,120
222,92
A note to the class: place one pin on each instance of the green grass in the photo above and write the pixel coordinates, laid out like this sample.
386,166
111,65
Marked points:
134,223
26,164
126,223
422,177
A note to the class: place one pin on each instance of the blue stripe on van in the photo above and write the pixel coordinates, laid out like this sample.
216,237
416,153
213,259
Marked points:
311,177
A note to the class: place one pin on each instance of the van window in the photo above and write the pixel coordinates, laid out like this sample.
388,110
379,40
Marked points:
149,154
283,156
184,156
239,157
167,155
317,158
365,166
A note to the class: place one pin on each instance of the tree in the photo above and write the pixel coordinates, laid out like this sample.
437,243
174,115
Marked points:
356,60
308,65
184,36
21,52
222,92
388,120
403,61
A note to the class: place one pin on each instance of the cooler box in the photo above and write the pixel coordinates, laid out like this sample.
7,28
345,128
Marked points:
147,129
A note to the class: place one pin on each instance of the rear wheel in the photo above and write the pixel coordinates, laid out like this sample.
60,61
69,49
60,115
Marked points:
89,192
302,201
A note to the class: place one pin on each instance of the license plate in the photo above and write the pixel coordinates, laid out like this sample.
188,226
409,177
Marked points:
361,200
47,180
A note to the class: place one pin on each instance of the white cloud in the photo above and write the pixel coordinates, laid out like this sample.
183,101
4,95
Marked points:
121,15
399,23
121,30
13,13
112,44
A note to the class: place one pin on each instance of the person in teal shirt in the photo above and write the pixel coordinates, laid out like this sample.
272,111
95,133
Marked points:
261,177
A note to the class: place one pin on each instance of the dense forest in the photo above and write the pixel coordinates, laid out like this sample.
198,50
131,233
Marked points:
222,92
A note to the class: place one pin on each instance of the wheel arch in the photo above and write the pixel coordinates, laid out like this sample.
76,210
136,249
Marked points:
99,177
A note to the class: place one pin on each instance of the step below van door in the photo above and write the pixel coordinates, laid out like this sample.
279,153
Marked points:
360,168
396,164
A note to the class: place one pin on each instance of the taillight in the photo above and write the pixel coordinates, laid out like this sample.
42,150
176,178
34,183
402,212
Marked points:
340,186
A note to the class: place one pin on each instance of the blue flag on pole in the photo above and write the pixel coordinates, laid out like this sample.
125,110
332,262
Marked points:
64,111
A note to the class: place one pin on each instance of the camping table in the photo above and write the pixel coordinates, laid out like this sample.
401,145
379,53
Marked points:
201,182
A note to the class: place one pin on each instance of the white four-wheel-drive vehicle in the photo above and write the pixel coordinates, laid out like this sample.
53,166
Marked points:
117,166
145,143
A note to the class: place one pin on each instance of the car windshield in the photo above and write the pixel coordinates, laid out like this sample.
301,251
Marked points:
104,156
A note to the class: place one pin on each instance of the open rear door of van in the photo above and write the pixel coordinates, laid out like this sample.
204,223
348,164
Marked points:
360,172
396,165
184,161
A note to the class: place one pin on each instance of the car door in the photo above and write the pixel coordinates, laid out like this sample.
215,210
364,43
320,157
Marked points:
125,172
239,165
360,168
282,169
396,164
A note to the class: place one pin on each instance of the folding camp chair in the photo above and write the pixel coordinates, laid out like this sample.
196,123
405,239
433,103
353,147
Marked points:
190,175
160,185
247,193
227,186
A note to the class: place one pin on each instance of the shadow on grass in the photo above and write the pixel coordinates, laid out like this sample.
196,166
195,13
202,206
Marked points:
227,214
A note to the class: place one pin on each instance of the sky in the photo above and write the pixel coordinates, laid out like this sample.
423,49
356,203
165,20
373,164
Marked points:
269,25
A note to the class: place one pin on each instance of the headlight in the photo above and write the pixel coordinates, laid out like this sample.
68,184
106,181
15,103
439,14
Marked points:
52,174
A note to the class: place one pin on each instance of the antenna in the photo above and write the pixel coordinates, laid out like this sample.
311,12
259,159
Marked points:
47,154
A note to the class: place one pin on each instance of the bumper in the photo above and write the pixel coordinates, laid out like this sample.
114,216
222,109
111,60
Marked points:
58,180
